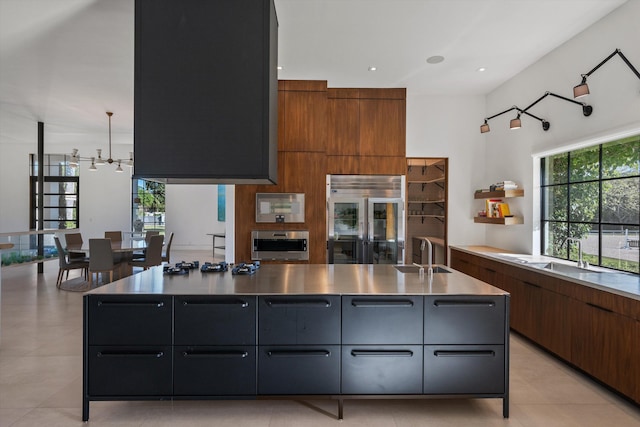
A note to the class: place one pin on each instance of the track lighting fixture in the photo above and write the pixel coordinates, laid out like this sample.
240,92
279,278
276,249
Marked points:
582,89
514,123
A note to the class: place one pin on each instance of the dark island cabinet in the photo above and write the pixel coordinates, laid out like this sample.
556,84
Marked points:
299,344
129,347
215,339
251,346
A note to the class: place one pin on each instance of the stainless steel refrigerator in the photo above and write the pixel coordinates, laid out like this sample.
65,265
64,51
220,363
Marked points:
365,219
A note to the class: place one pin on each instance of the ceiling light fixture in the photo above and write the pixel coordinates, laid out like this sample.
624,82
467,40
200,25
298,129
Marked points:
481,69
582,89
75,158
514,123
372,68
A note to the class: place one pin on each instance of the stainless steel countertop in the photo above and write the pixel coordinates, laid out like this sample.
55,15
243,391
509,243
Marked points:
616,282
301,279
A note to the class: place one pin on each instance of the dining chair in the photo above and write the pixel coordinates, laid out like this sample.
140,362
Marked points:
101,259
74,240
167,254
153,254
66,264
147,238
115,236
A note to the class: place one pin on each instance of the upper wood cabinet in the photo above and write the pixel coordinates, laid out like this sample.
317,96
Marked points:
303,115
367,122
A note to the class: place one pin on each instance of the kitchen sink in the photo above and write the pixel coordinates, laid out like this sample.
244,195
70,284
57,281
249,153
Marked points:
564,268
415,269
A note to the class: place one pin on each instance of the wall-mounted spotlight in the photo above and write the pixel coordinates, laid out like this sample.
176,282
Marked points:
583,89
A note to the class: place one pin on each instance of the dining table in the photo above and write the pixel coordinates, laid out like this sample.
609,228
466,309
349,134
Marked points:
123,250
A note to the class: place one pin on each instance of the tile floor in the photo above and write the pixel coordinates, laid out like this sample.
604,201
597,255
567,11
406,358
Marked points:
41,381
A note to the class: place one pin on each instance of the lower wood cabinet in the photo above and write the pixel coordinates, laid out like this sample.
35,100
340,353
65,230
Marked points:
594,330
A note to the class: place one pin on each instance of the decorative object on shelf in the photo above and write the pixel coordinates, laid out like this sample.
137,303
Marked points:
582,89
97,161
215,267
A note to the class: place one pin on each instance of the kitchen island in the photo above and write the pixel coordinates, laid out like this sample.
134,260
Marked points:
294,331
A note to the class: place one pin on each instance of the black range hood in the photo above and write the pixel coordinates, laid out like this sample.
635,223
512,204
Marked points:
206,91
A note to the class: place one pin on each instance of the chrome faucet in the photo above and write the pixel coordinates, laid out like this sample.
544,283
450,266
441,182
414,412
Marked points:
581,263
427,242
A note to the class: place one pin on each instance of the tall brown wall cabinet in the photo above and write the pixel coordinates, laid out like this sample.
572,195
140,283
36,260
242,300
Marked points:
325,131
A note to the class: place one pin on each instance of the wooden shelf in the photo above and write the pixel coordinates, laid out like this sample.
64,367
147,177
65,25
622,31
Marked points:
499,194
430,181
425,201
502,221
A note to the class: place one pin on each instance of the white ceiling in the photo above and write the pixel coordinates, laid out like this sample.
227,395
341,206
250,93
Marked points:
67,62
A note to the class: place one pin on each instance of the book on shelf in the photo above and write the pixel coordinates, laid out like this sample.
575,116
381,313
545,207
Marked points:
491,207
503,210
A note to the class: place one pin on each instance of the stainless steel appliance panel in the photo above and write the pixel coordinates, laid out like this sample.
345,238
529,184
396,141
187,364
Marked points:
291,245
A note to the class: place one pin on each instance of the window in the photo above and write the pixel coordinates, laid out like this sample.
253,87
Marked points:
147,205
61,193
592,194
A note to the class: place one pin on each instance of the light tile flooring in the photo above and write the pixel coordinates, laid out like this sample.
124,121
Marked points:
41,381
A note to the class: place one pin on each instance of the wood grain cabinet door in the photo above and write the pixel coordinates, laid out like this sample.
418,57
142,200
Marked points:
382,127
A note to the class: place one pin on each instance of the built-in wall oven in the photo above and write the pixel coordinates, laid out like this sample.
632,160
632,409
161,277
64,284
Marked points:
286,245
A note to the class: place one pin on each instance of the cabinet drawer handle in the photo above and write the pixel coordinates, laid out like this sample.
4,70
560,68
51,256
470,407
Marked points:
532,284
299,303
490,270
382,353
600,308
463,353
464,303
130,304
215,354
239,302
298,353
381,303
155,354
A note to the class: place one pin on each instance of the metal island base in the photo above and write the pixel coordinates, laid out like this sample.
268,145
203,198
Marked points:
296,331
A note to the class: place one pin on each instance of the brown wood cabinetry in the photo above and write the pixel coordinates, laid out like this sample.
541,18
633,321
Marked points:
605,344
305,119
595,330
325,131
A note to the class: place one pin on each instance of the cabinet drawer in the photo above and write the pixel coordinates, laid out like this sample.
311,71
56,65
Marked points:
382,320
215,320
129,371
294,320
464,319
299,369
463,369
129,319
382,369
214,371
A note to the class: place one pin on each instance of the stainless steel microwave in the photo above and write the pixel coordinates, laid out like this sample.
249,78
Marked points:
288,245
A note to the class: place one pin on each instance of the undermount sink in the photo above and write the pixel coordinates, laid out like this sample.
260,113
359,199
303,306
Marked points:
564,268
415,269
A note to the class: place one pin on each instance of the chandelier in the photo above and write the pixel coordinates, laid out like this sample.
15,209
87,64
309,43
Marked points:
98,161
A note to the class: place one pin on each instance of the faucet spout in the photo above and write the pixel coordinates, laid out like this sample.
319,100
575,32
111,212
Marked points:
581,263
429,253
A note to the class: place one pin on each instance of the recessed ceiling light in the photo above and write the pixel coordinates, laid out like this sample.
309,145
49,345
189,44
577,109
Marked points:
435,59
481,69
372,68
279,67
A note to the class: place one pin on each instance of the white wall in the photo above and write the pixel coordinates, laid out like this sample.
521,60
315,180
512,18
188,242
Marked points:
191,213
615,97
440,126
